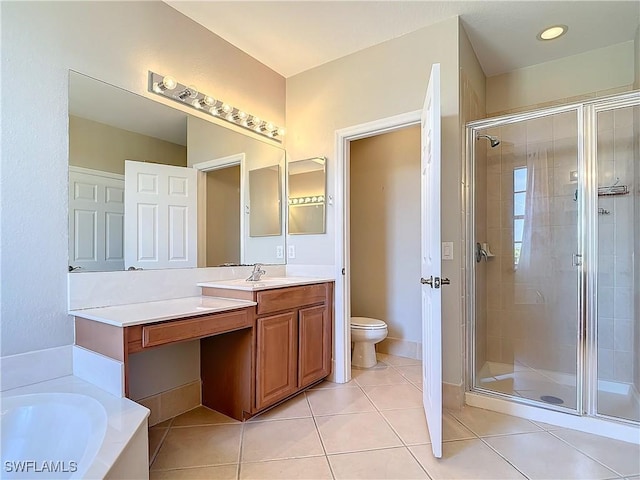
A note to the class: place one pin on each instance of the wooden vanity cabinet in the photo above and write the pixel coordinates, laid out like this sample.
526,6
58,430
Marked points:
293,335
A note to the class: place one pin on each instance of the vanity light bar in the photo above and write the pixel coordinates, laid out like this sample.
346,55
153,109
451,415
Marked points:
312,200
189,95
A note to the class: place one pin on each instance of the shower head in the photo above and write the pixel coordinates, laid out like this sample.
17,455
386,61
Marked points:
494,140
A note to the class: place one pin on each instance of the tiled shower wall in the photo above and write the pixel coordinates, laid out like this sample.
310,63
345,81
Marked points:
532,317
616,232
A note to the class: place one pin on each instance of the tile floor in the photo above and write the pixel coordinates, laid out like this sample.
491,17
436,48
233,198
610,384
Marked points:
374,427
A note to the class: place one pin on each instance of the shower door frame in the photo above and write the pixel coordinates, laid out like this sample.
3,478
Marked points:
472,128
587,247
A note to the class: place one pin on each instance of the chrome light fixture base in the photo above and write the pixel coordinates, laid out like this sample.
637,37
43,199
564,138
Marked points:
188,95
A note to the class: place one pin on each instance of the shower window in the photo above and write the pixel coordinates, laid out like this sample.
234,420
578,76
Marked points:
519,201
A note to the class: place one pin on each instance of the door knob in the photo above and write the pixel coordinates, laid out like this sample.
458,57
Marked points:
428,281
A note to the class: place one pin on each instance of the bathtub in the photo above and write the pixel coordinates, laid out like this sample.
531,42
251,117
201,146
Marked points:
66,428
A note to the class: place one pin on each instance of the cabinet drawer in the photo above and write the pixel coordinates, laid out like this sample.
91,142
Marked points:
189,329
290,297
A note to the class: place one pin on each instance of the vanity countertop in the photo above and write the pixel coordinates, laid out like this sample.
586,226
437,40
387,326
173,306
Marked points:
265,283
149,312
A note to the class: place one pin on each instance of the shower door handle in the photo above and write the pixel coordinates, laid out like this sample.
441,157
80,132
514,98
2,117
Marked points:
576,260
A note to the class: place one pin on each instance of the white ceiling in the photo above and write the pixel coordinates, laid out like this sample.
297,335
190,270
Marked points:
293,36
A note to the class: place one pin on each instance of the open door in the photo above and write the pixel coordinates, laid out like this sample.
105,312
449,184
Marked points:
160,211
431,262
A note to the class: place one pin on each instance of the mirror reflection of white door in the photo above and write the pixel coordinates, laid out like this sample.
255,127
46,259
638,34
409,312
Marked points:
96,220
431,262
160,216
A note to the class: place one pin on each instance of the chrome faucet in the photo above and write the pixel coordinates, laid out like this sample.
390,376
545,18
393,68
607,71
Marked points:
256,274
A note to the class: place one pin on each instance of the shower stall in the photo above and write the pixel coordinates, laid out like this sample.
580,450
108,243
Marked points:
553,259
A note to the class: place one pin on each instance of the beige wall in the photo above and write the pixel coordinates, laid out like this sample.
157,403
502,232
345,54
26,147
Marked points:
223,216
116,42
375,83
103,147
385,231
594,73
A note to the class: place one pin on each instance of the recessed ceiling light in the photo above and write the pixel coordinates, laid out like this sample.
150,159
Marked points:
552,32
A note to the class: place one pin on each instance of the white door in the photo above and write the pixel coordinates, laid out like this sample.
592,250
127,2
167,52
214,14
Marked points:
430,262
160,216
96,220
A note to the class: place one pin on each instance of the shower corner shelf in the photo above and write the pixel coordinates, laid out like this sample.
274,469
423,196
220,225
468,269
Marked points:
613,190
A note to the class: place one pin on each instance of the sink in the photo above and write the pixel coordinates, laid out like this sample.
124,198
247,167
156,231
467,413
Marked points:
264,283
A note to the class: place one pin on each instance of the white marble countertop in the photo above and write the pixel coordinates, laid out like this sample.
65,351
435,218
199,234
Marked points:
265,283
149,312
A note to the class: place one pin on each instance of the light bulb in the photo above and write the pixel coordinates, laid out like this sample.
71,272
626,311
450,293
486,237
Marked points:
270,127
254,121
240,117
204,102
168,83
226,108
281,131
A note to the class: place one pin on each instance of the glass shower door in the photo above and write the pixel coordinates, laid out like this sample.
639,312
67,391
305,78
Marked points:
618,260
527,270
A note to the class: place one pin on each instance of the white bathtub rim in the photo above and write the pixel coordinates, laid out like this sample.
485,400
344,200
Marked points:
124,417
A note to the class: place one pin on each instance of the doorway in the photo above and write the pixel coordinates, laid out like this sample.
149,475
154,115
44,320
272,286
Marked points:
344,137
384,184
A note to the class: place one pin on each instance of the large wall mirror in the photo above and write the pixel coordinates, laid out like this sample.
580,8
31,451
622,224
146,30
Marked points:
306,199
160,211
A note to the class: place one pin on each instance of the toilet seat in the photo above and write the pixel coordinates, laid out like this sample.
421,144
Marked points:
365,323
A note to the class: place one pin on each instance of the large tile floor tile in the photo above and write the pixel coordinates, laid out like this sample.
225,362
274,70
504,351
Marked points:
397,361
464,459
413,373
387,397
485,422
199,446
202,416
411,425
296,468
222,472
543,456
356,431
280,439
156,436
332,401
621,457
394,463
379,376
327,384
297,407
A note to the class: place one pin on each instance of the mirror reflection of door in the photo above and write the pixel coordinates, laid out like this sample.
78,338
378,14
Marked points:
223,215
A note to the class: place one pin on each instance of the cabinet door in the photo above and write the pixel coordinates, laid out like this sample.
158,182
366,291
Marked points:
314,345
277,355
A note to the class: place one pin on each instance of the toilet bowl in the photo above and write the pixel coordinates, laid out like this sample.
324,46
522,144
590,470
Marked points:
365,333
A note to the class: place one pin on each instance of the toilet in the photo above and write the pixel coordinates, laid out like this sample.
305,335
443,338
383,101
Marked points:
365,333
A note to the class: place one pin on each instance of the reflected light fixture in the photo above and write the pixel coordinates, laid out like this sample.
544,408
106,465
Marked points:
168,87
553,32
